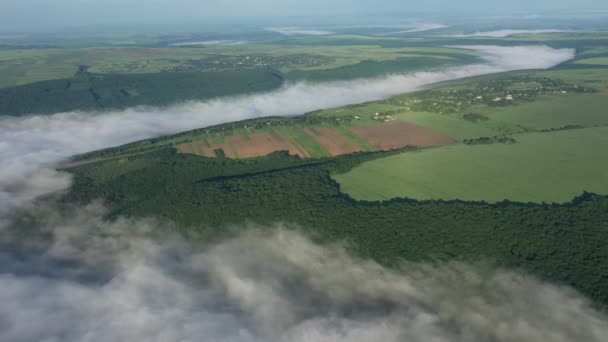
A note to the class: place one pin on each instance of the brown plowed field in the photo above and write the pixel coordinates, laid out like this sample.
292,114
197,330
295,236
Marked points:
387,136
262,144
185,149
200,148
335,143
209,151
397,134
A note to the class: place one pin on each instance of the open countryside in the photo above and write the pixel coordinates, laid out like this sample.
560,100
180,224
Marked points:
304,171
540,167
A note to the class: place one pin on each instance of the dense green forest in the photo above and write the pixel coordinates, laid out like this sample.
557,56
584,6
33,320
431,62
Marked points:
565,243
89,91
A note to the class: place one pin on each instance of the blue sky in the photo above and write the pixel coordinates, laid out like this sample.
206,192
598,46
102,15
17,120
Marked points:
57,13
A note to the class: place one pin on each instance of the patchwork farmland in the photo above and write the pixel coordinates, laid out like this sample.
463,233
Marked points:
315,142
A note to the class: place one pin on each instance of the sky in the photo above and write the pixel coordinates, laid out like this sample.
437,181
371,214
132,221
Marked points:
48,14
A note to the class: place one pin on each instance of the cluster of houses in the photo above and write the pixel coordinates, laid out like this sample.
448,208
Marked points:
383,118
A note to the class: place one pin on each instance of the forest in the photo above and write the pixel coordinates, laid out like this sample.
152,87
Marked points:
566,243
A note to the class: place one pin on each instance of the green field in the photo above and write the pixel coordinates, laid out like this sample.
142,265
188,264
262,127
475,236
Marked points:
541,167
556,111
452,126
593,61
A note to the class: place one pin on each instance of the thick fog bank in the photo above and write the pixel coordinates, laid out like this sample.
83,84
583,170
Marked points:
79,278
506,33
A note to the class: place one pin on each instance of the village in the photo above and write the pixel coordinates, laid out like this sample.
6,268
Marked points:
496,93
223,63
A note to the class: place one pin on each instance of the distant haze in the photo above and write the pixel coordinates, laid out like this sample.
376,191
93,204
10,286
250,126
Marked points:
38,14
503,33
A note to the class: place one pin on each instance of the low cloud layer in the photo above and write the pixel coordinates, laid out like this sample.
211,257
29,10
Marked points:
505,33
299,31
80,278
30,143
211,42
418,27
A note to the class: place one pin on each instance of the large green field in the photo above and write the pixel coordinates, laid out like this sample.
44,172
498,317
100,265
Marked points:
557,111
594,61
541,167
453,126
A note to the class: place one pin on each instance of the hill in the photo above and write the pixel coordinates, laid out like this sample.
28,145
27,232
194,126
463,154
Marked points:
212,178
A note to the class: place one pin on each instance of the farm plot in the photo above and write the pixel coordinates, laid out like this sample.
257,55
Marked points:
261,144
556,111
541,167
397,134
335,143
315,141
207,148
242,146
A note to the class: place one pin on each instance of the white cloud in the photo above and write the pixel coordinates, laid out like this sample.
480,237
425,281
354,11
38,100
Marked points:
505,33
264,285
211,42
298,31
419,27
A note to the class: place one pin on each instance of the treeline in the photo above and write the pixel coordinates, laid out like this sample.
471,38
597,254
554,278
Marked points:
567,243
562,128
490,140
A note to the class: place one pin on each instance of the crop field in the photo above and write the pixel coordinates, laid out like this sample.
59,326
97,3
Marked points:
556,111
593,61
402,121
314,141
306,142
450,125
540,167
397,134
